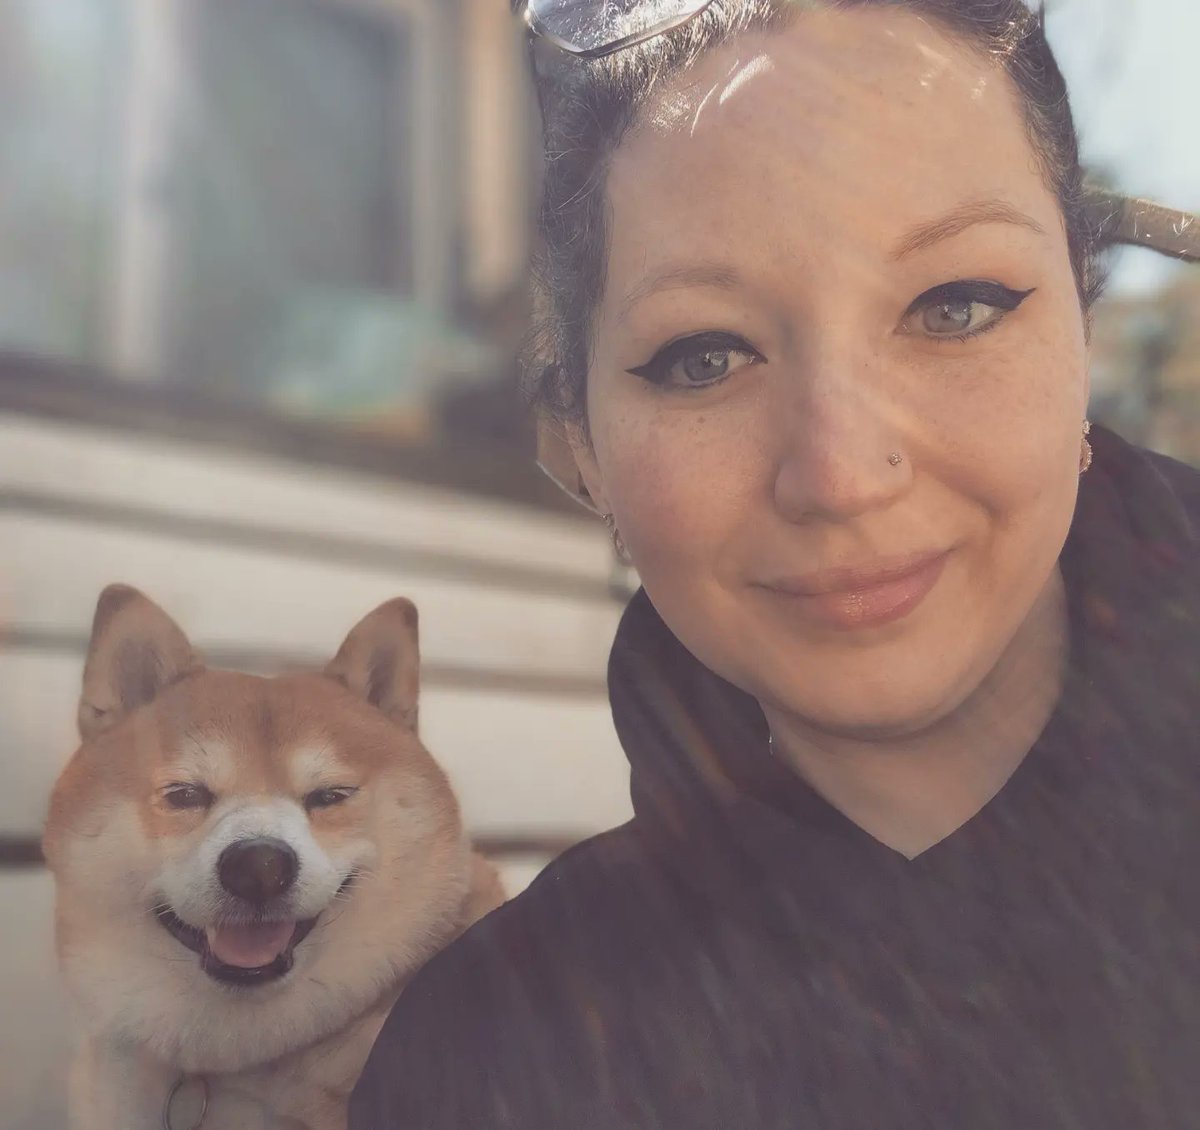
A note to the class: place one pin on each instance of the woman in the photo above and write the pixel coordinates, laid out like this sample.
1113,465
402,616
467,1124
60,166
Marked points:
910,694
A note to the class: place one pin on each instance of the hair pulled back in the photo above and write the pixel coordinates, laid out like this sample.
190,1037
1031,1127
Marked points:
589,105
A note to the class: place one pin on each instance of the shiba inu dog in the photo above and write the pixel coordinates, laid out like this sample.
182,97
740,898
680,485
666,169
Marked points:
247,870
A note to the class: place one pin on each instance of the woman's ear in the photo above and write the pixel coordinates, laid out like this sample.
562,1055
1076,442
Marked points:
587,469
566,457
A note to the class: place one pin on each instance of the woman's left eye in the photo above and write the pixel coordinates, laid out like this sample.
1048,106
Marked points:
961,310
327,798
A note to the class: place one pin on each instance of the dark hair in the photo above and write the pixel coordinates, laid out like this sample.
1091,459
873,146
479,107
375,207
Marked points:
589,105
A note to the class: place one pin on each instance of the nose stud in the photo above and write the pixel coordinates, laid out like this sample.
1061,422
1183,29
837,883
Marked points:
895,459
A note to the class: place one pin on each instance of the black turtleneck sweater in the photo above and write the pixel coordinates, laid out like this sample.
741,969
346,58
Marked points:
742,957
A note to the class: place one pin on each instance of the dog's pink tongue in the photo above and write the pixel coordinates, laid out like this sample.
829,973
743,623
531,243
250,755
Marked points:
250,946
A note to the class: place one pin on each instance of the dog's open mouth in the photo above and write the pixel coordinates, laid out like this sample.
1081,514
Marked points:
249,953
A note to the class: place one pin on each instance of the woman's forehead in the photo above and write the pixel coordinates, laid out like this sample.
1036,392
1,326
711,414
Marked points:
849,126
838,62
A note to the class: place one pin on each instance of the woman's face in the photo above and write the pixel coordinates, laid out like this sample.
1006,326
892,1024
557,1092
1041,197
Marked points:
832,245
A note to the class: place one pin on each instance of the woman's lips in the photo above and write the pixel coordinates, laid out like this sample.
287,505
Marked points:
862,598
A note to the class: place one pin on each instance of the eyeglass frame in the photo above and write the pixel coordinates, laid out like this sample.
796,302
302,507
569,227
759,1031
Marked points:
537,29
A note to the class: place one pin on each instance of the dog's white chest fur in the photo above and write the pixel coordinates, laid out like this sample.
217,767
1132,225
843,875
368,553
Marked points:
119,1087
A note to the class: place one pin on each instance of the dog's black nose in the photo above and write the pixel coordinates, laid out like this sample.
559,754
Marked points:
258,869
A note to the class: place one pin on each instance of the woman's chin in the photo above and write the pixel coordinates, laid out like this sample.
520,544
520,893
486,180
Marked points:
864,710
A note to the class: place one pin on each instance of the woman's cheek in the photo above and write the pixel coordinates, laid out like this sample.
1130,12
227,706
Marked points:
666,478
1007,422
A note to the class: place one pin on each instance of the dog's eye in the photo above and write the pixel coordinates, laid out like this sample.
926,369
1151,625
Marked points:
327,798
187,796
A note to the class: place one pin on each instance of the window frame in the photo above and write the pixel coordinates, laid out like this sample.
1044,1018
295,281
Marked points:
143,234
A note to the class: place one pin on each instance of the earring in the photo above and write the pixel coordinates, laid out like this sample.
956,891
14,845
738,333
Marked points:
617,541
1085,450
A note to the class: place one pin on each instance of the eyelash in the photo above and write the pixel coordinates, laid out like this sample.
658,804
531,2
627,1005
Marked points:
966,291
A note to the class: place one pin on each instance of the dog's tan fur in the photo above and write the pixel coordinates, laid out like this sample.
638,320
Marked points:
285,1054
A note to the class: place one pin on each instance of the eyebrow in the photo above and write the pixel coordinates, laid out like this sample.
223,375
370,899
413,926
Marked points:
713,275
958,220
721,277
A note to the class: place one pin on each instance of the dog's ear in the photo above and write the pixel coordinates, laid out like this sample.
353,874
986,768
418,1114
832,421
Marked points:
136,650
380,661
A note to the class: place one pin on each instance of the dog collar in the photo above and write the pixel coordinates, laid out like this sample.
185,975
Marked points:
187,1104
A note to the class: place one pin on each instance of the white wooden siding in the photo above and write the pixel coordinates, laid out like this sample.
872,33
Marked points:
35,1031
96,465
234,596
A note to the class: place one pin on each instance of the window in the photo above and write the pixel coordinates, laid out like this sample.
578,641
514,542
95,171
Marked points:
292,210
62,86
253,200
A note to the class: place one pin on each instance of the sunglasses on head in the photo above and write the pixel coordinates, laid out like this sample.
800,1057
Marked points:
594,28
591,29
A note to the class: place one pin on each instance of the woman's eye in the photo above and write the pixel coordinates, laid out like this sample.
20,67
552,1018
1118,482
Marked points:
956,317
698,361
187,795
961,310
327,798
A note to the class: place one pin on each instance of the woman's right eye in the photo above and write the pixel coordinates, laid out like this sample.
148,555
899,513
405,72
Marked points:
699,361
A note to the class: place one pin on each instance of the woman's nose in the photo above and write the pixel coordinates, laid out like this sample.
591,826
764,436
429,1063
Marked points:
841,447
